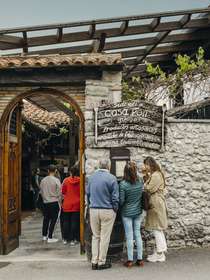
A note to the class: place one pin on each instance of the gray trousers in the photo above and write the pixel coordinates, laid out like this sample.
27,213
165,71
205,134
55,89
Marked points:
101,222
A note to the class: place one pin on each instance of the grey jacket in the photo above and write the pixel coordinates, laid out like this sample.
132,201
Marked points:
50,189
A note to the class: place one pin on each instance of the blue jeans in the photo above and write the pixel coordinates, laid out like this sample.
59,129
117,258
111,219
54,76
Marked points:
132,226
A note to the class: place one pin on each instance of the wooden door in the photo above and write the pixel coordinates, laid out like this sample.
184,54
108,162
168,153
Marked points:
12,181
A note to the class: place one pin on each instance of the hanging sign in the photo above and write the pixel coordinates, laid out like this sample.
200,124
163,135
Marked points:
129,124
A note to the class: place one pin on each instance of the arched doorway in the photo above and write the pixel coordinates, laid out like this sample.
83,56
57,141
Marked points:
10,172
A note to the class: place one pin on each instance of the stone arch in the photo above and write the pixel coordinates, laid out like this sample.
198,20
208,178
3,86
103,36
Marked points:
3,121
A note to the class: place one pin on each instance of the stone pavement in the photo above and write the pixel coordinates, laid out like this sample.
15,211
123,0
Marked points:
32,248
35,260
181,265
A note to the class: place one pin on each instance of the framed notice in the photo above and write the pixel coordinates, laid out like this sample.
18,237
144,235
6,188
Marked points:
120,165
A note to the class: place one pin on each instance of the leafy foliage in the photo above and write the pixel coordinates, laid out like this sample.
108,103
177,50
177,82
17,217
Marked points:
187,69
134,89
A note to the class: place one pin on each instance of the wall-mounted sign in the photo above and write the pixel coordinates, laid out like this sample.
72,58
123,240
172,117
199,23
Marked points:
136,123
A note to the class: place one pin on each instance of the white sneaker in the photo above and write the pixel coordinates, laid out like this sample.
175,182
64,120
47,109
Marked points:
52,240
64,242
157,258
44,238
72,243
152,256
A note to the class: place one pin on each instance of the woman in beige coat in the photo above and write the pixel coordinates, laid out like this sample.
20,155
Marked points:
156,218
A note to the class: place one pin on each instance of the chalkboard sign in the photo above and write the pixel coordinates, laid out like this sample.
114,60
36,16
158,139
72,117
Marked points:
134,124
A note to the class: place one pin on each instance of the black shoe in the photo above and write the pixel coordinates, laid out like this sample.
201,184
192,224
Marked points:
94,266
104,266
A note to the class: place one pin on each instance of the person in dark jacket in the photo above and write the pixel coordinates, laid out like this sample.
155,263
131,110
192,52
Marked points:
36,186
130,201
71,207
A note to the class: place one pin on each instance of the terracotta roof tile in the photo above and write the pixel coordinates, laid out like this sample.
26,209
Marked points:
43,118
59,60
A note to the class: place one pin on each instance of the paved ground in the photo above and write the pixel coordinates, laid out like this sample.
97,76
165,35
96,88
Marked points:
32,248
37,261
181,265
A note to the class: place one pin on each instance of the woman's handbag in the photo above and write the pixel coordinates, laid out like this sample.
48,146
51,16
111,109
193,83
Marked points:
145,200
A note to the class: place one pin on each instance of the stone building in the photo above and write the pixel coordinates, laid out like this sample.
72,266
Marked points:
86,83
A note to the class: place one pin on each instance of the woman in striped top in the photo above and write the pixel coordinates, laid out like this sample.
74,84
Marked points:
131,209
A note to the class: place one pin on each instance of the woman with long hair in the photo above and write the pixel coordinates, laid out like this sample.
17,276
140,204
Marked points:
71,207
131,209
156,218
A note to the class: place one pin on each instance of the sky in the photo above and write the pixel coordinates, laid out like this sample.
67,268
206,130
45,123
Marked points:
17,13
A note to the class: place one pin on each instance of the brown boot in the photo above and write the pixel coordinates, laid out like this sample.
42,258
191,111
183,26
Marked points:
140,263
128,264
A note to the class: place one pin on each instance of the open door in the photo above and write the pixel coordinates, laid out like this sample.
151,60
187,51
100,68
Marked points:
12,181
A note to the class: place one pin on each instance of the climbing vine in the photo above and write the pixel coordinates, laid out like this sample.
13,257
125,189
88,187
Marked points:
159,83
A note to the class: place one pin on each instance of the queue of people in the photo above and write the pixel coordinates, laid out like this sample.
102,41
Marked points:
105,197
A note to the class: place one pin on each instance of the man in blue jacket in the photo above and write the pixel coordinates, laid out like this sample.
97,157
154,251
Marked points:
103,199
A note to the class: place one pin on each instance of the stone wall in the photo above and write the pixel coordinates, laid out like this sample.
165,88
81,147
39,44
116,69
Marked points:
186,162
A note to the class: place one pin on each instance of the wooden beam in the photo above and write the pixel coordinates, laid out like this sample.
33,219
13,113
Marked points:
92,30
160,37
104,21
185,19
25,43
113,32
133,53
149,49
151,59
124,26
102,42
188,107
59,35
155,23
30,99
191,36
183,37
66,50
13,40
174,48
49,76
61,107
160,50
98,45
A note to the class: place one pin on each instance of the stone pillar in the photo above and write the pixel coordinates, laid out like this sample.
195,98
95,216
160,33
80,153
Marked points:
107,90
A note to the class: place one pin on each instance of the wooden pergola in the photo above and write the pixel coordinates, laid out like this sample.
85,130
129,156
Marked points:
155,38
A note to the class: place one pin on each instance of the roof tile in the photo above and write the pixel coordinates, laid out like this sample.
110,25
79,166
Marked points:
43,118
58,60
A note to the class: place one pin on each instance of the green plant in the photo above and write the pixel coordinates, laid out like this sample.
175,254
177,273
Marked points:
188,69
133,89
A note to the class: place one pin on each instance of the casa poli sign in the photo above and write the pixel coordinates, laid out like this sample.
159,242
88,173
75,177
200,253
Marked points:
127,124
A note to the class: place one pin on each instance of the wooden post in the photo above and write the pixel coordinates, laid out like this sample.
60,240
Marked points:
96,125
163,128
82,188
